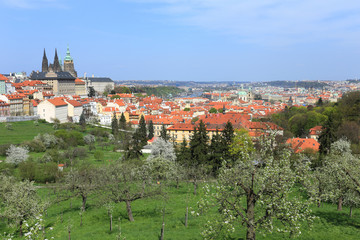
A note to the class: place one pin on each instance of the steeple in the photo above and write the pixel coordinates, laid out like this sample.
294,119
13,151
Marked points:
45,63
68,57
57,67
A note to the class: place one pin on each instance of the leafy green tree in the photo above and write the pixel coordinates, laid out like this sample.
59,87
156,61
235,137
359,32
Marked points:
122,122
114,125
242,145
213,110
264,183
151,130
187,109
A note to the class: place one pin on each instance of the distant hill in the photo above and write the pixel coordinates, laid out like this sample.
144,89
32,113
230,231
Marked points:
301,84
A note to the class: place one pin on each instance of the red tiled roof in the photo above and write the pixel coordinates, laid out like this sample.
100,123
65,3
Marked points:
3,78
74,103
57,102
300,144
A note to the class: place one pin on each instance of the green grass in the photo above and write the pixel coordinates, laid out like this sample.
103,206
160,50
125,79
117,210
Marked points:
330,224
22,131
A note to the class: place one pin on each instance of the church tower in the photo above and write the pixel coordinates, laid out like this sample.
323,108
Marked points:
69,64
45,63
56,66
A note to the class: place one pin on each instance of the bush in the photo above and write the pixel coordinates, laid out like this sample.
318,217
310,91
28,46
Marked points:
51,155
27,170
35,146
47,172
99,155
71,138
3,149
49,140
16,155
99,132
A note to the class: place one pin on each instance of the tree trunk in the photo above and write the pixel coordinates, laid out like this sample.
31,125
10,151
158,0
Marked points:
69,231
128,208
111,220
250,215
319,203
81,216
163,226
186,216
195,186
340,201
83,202
21,231
351,210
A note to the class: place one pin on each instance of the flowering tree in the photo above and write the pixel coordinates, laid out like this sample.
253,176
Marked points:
20,201
16,155
90,140
264,182
340,171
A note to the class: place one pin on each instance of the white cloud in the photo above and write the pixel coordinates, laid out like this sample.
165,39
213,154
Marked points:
272,21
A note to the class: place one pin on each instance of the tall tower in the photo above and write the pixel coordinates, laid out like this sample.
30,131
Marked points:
56,65
45,63
69,64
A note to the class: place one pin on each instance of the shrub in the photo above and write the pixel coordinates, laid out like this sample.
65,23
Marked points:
47,172
35,146
99,155
3,149
27,170
16,155
49,140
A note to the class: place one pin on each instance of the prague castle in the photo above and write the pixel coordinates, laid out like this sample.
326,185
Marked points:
61,77
57,66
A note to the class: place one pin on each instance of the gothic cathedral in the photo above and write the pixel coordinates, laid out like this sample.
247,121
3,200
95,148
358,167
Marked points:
57,66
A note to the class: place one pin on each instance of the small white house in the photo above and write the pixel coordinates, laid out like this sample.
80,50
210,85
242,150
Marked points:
53,108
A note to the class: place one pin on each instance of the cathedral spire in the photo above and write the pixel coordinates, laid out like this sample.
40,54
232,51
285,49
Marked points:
45,64
57,67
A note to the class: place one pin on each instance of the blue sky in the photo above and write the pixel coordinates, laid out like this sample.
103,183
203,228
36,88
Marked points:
186,40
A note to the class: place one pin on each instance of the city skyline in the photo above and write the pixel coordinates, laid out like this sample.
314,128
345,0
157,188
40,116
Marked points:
182,40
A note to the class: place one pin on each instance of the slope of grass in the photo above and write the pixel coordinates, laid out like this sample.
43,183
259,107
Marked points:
22,131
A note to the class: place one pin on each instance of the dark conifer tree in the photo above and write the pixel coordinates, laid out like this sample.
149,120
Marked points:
216,152
183,155
163,134
134,146
327,136
227,139
199,145
142,131
114,125
150,130
122,122
82,120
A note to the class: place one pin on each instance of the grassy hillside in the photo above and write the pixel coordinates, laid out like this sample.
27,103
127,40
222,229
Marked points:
22,131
